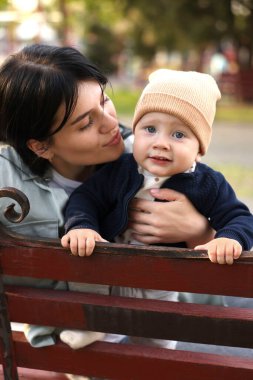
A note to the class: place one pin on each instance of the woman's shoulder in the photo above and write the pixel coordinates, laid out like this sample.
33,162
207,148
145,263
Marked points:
7,152
10,162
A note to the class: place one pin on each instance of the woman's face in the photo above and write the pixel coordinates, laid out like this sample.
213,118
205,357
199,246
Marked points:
91,136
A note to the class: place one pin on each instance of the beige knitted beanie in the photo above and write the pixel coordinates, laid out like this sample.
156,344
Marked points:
188,95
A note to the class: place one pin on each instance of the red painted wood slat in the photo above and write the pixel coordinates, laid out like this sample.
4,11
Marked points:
182,274
130,316
133,362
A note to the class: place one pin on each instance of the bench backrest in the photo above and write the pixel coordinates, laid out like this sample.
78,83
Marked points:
146,267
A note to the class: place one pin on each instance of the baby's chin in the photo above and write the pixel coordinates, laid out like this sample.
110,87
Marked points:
158,173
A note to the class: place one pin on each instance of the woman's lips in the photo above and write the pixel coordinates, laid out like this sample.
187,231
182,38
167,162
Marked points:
115,140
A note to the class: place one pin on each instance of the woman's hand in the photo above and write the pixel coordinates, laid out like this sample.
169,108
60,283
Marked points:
168,222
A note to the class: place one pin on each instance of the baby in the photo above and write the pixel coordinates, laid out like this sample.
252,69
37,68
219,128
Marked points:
172,128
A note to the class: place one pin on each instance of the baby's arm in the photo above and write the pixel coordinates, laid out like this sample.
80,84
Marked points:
81,241
222,250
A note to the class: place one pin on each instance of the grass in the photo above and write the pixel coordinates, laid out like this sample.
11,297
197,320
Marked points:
124,100
239,177
227,110
234,112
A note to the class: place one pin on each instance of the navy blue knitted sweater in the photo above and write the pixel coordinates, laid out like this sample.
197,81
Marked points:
101,202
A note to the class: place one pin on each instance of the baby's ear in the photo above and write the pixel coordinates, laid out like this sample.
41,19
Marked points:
198,158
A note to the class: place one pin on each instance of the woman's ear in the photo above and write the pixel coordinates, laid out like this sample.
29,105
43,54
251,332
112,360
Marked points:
40,148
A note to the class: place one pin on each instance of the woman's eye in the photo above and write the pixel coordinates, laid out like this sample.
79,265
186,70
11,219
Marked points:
150,129
105,99
89,124
178,135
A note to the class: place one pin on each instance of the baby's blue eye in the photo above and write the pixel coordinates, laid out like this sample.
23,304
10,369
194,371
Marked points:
178,135
150,129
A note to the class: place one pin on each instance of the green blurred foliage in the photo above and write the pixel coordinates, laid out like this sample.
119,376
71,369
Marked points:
103,47
125,100
146,27
102,36
240,178
185,24
3,4
109,29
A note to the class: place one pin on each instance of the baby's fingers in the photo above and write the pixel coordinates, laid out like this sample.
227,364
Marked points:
75,243
65,241
90,243
229,257
233,250
89,246
215,255
71,242
237,250
222,250
212,254
81,241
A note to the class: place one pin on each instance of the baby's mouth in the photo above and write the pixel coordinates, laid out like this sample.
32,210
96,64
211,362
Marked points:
159,158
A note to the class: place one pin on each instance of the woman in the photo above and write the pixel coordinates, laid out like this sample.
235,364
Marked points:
57,126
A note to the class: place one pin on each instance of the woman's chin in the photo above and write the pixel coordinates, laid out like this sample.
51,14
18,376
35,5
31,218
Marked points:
113,154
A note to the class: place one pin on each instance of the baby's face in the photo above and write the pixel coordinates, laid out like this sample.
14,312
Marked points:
164,145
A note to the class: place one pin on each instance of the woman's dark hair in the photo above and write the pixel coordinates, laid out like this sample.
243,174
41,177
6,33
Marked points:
33,84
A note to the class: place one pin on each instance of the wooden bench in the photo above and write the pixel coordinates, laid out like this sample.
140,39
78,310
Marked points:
237,85
135,266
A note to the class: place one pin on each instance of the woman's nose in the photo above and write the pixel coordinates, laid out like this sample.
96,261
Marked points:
108,122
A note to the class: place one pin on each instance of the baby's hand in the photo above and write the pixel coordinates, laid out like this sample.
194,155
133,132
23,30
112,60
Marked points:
222,250
81,241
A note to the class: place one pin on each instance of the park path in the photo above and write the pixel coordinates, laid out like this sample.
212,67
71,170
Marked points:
231,143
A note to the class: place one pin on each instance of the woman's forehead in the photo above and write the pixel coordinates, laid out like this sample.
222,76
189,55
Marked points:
89,91
89,96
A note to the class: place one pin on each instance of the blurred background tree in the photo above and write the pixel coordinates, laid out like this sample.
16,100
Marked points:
104,40
3,4
187,24
128,38
148,27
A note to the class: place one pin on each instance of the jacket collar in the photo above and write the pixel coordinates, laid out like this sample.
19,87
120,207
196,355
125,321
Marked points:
10,154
